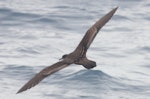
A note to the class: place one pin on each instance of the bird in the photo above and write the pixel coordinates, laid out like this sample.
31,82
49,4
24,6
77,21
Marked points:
78,56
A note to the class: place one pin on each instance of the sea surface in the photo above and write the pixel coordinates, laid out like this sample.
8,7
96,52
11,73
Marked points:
34,34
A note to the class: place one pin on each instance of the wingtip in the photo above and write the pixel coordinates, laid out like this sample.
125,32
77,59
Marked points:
115,8
19,92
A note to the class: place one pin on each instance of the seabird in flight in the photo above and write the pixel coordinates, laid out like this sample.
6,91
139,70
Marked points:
78,56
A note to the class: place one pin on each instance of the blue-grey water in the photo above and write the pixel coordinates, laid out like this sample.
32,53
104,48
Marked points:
36,33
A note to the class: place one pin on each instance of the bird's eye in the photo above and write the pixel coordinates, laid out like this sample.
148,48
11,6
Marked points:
64,56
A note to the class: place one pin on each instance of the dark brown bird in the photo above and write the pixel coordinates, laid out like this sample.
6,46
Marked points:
78,56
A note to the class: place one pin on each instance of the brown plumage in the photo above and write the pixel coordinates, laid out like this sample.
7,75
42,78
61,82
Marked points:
78,56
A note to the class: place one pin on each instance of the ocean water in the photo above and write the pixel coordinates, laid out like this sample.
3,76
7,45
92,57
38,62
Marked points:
36,33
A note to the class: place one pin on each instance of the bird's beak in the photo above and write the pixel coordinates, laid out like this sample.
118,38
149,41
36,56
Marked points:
60,59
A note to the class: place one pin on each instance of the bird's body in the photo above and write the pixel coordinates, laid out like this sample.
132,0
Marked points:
78,56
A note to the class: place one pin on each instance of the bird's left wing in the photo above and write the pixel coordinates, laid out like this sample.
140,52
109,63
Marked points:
42,74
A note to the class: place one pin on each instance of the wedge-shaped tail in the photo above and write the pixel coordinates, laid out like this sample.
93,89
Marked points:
88,64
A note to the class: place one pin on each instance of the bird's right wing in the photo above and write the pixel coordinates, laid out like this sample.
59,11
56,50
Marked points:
42,74
92,32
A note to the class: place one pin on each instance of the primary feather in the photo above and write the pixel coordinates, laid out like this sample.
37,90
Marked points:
42,74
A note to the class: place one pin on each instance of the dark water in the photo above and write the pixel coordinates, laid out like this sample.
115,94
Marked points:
36,33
